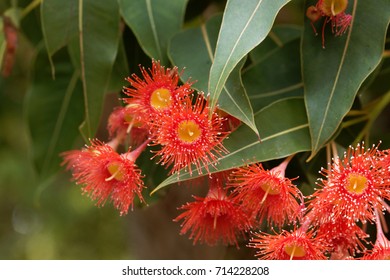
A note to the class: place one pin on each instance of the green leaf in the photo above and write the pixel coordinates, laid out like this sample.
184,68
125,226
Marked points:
99,33
2,42
284,130
277,38
332,76
154,22
119,71
244,26
276,76
193,49
59,23
54,110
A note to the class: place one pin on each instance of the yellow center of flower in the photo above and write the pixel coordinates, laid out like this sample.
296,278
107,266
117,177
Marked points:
115,169
129,118
333,7
188,131
294,250
356,183
270,188
160,99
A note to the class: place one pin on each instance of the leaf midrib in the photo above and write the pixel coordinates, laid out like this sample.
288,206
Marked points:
205,36
337,76
153,26
231,53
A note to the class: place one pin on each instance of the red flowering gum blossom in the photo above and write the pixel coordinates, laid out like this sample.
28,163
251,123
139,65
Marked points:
332,8
353,188
105,174
344,239
267,194
333,11
188,135
213,218
125,120
381,249
296,245
158,91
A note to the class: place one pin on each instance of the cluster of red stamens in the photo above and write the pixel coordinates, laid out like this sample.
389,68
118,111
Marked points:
354,192
333,12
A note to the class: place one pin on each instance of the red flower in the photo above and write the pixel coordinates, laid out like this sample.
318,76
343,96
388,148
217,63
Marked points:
379,252
296,245
158,91
189,136
267,193
344,239
333,11
229,123
213,218
354,188
104,173
125,120
381,249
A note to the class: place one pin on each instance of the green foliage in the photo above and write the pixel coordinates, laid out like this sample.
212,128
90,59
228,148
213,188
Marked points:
254,60
345,64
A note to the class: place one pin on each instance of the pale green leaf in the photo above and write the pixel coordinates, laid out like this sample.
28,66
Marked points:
243,27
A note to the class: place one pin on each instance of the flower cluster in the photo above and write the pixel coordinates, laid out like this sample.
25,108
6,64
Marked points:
183,133
333,12
239,200
353,192
161,113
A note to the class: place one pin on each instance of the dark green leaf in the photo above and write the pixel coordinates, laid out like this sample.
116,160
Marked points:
277,38
59,23
119,72
54,110
276,76
332,76
154,22
243,27
284,131
99,35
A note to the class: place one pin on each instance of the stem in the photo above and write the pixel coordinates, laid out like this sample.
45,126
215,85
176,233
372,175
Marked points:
372,116
133,155
355,121
380,236
281,168
29,8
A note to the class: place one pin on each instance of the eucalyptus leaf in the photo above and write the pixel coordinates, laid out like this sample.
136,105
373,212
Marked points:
59,23
99,33
333,76
193,50
243,28
276,76
277,38
285,131
119,71
154,22
54,110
